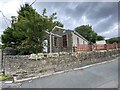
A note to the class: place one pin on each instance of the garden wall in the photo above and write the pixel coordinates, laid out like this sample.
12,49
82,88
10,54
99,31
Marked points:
23,66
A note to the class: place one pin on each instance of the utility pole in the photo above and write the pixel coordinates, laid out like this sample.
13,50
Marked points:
2,59
5,18
2,63
33,3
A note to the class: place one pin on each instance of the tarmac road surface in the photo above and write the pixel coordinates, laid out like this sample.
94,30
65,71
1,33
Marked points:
99,76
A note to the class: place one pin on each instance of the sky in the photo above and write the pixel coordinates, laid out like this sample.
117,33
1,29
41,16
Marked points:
103,16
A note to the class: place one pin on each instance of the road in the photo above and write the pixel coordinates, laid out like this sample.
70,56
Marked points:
99,76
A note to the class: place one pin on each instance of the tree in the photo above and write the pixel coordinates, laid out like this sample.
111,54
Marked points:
113,40
100,37
0,46
27,33
87,32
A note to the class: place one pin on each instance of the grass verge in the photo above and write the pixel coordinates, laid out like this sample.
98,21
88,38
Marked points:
5,77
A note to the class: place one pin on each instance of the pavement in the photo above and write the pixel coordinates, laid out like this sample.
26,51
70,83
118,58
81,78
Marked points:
103,75
9,84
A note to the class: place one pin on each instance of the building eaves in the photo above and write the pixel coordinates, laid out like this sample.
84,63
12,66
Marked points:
53,34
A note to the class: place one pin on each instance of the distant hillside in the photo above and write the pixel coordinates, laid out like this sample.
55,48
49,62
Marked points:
113,40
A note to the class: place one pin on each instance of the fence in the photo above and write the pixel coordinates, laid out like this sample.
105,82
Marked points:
85,47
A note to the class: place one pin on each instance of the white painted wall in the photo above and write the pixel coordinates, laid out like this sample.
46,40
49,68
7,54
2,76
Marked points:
81,41
101,42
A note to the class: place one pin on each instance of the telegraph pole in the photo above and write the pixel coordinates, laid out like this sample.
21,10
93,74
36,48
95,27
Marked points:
2,62
4,18
2,59
33,3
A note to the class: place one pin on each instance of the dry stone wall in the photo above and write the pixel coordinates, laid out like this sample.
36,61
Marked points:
24,66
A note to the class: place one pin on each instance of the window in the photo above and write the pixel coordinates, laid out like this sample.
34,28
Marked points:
65,41
55,41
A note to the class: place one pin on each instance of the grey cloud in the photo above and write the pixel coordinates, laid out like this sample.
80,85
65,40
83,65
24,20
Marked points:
50,6
3,24
94,12
103,11
105,26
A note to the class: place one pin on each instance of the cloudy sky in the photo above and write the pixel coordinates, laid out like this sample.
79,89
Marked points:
103,16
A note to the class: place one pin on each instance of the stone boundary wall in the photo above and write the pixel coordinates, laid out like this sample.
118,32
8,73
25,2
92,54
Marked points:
25,67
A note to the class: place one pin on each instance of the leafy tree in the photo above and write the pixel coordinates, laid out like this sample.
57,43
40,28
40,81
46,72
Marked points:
57,23
27,32
87,32
0,46
100,37
113,40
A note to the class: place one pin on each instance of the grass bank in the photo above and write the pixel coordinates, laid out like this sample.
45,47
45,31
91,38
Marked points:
5,77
